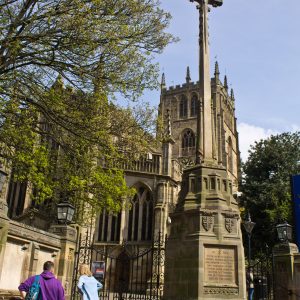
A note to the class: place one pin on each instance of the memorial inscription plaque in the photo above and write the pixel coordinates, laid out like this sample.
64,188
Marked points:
220,265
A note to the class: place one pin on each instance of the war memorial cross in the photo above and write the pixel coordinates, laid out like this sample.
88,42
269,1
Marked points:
204,144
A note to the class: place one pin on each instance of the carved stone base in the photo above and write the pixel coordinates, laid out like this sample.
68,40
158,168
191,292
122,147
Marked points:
204,252
221,291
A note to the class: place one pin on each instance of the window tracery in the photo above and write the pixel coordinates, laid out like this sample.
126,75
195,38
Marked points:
188,142
183,107
140,216
194,104
109,227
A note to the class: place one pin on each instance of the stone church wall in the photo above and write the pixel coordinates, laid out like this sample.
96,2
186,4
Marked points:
11,276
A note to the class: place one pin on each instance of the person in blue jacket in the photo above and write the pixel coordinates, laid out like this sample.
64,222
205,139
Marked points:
87,284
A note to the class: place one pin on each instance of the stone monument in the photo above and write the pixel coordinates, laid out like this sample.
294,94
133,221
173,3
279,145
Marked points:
204,252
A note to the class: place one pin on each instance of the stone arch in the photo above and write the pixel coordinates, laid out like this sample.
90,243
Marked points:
138,184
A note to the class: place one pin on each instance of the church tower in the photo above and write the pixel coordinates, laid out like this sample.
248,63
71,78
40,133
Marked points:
204,253
181,103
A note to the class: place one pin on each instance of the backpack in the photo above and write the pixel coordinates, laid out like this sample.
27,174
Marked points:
34,292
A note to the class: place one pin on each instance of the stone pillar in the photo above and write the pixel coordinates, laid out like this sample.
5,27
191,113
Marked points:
123,226
159,209
284,275
297,274
167,157
167,147
67,255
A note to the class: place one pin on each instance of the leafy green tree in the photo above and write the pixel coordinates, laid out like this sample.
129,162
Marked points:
55,137
58,163
266,185
110,41
106,46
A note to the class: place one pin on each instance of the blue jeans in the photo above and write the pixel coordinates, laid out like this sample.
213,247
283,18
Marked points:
251,292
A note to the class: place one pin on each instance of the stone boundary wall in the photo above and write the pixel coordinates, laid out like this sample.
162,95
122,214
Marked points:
26,250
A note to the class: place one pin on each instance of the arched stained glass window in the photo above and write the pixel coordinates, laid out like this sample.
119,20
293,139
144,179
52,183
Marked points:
109,227
140,216
147,217
188,143
188,139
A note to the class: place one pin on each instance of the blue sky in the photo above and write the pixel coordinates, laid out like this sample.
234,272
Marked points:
257,44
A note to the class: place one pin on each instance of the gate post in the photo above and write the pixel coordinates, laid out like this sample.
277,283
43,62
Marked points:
297,274
284,275
67,255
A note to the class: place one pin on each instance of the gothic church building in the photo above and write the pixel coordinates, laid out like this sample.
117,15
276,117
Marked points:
157,178
28,239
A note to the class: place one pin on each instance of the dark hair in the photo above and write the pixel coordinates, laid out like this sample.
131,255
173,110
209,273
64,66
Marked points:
48,265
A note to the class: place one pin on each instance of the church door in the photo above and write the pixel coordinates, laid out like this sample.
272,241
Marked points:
122,273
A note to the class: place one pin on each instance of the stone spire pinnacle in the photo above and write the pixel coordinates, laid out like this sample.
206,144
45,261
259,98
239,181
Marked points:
163,81
188,75
217,71
232,95
225,83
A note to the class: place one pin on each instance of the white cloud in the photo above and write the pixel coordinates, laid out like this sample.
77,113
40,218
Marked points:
294,128
249,134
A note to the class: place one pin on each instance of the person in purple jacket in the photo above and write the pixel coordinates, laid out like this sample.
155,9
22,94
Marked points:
51,288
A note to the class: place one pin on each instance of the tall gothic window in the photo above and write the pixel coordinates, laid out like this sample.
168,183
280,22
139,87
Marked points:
230,155
183,107
194,103
16,198
188,142
188,139
147,218
140,216
109,227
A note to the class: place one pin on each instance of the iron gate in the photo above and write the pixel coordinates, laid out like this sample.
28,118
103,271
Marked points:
262,278
127,271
